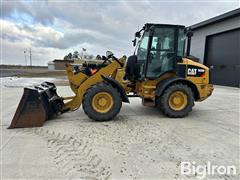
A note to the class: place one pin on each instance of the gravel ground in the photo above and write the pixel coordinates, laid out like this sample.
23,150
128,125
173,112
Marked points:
140,143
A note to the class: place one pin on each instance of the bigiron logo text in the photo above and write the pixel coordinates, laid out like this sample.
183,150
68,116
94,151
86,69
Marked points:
201,171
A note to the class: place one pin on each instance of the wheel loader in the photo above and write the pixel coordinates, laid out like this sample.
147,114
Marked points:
159,72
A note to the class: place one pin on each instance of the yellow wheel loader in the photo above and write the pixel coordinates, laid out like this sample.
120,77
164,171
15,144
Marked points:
159,72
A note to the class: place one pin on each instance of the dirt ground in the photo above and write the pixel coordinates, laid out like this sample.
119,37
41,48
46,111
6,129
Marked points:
19,75
140,143
34,72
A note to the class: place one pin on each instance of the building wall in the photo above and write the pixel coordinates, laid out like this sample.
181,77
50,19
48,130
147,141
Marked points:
199,37
60,65
51,67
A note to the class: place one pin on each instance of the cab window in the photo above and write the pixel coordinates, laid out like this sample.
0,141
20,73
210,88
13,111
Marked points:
162,52
142,48
181,43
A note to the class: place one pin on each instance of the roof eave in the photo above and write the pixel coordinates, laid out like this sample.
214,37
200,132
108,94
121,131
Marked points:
222,17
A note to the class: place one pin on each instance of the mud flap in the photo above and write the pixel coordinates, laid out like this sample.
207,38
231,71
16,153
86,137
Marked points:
37,105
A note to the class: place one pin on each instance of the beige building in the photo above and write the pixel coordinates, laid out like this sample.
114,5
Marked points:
58,64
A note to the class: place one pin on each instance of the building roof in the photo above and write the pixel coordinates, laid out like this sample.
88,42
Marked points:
50,62
63,61
173,25
222,17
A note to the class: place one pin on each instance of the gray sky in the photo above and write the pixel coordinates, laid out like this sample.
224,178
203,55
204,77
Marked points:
54,28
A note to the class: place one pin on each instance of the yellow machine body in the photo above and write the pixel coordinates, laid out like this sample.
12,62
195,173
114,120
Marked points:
147,89
80,83
101,89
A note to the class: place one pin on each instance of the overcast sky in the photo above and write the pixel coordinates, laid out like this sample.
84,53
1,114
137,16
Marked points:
54,28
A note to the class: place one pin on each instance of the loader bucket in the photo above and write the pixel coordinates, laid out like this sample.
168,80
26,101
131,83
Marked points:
37,105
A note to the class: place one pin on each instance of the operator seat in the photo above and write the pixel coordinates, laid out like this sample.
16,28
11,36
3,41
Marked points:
167,62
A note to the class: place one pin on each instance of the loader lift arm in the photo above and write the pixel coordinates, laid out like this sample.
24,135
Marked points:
42,102
76,102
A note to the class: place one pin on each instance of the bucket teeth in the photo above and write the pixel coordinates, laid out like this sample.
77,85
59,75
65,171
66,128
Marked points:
37,105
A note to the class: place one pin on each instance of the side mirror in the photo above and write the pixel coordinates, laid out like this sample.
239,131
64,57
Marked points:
134,42
138,34
109,54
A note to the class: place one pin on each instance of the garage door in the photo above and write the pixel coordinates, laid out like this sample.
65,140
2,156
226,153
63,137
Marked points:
222,55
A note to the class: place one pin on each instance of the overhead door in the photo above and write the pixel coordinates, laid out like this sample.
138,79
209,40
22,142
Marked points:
222,55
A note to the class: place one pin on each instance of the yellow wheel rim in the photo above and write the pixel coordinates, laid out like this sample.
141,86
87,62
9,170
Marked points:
177,100
102,102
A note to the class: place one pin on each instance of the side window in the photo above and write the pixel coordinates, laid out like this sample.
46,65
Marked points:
181,43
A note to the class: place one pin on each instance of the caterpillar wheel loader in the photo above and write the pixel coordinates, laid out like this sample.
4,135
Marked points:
159,72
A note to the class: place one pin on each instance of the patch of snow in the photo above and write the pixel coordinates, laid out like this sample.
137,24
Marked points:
22,82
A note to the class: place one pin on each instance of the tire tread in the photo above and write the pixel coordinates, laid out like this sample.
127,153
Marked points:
87,97
163,101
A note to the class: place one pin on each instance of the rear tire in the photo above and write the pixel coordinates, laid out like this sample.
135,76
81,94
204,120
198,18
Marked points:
177,101
102,102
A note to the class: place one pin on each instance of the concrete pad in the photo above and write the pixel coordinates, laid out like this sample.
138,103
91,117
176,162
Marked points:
140,143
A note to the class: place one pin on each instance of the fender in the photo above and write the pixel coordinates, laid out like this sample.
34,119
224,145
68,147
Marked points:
118,86
162,85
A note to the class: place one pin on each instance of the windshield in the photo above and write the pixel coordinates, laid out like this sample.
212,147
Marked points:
142,47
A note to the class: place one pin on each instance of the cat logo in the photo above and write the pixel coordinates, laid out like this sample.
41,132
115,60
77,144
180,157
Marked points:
192,71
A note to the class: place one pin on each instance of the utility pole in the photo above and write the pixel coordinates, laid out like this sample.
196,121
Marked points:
25,58
30,58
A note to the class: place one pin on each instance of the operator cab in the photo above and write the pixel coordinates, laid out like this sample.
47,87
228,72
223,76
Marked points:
158,50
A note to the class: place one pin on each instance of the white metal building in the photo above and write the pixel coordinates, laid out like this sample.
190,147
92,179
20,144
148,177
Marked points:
216,42
51,66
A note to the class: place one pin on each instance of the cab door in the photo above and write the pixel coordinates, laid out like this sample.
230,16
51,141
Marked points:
162,52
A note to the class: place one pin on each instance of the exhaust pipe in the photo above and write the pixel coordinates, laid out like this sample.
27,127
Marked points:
189,34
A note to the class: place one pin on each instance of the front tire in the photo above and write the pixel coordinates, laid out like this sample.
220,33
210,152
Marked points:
102,102
177,101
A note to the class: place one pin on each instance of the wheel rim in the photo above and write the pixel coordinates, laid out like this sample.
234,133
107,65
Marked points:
102,102
178,100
